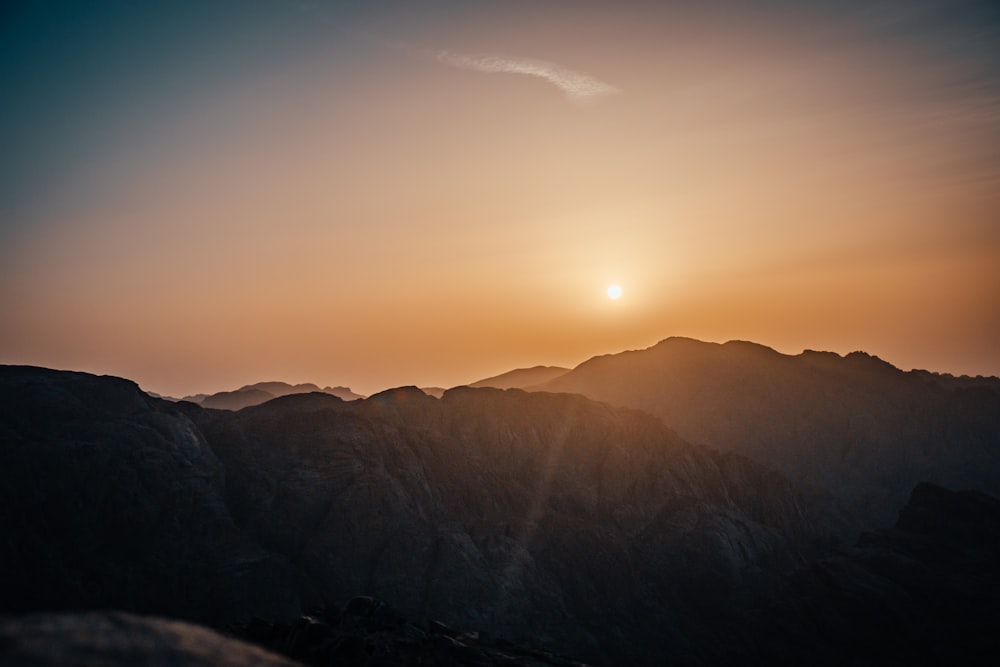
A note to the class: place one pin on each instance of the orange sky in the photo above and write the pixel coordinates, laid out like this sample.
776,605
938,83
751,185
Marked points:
342,204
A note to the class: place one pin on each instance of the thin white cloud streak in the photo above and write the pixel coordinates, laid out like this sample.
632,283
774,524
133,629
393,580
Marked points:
579,88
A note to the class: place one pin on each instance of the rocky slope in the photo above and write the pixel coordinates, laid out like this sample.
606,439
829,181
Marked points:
546,518
112,499
550,520
368,632
924,592
854,425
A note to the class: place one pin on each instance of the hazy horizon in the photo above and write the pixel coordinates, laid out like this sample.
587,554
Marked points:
199,196
403,382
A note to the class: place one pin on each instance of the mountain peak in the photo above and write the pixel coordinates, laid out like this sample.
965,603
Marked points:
399,394
281,388
681,340
859,357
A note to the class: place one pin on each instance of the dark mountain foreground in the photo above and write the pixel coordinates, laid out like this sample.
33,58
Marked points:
924,592
855,426
482,527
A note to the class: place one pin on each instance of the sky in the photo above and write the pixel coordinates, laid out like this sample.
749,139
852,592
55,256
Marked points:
203,194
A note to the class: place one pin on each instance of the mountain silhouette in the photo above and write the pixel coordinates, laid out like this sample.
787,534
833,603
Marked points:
261,392
853,425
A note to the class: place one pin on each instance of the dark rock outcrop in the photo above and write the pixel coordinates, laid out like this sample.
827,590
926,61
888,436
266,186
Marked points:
367,631
112,499
116,639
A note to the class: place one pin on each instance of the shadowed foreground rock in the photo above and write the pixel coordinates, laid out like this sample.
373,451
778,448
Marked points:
925,592
370,633
117,639
111,499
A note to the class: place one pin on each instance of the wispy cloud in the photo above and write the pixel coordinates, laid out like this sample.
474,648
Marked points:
579,88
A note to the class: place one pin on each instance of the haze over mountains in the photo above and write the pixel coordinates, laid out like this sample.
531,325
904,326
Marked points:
744,513
261,392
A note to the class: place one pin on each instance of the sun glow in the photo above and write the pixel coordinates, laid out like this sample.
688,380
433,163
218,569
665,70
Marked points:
614,292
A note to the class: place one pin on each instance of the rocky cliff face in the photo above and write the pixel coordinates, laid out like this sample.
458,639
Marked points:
112,499
854,425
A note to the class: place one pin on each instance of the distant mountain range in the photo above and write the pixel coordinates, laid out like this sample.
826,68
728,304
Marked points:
733,518
261,392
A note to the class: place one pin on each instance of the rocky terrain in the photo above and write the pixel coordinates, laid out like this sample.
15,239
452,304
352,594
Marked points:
365,633
368,631
546,518
495,525
854,425
924,592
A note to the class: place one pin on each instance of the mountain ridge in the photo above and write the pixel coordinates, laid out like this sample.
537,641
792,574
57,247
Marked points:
261,392
855,424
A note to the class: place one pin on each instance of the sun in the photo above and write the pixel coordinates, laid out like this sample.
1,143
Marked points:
614,292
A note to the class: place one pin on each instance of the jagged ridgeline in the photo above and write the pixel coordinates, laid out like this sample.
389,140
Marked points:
548,520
